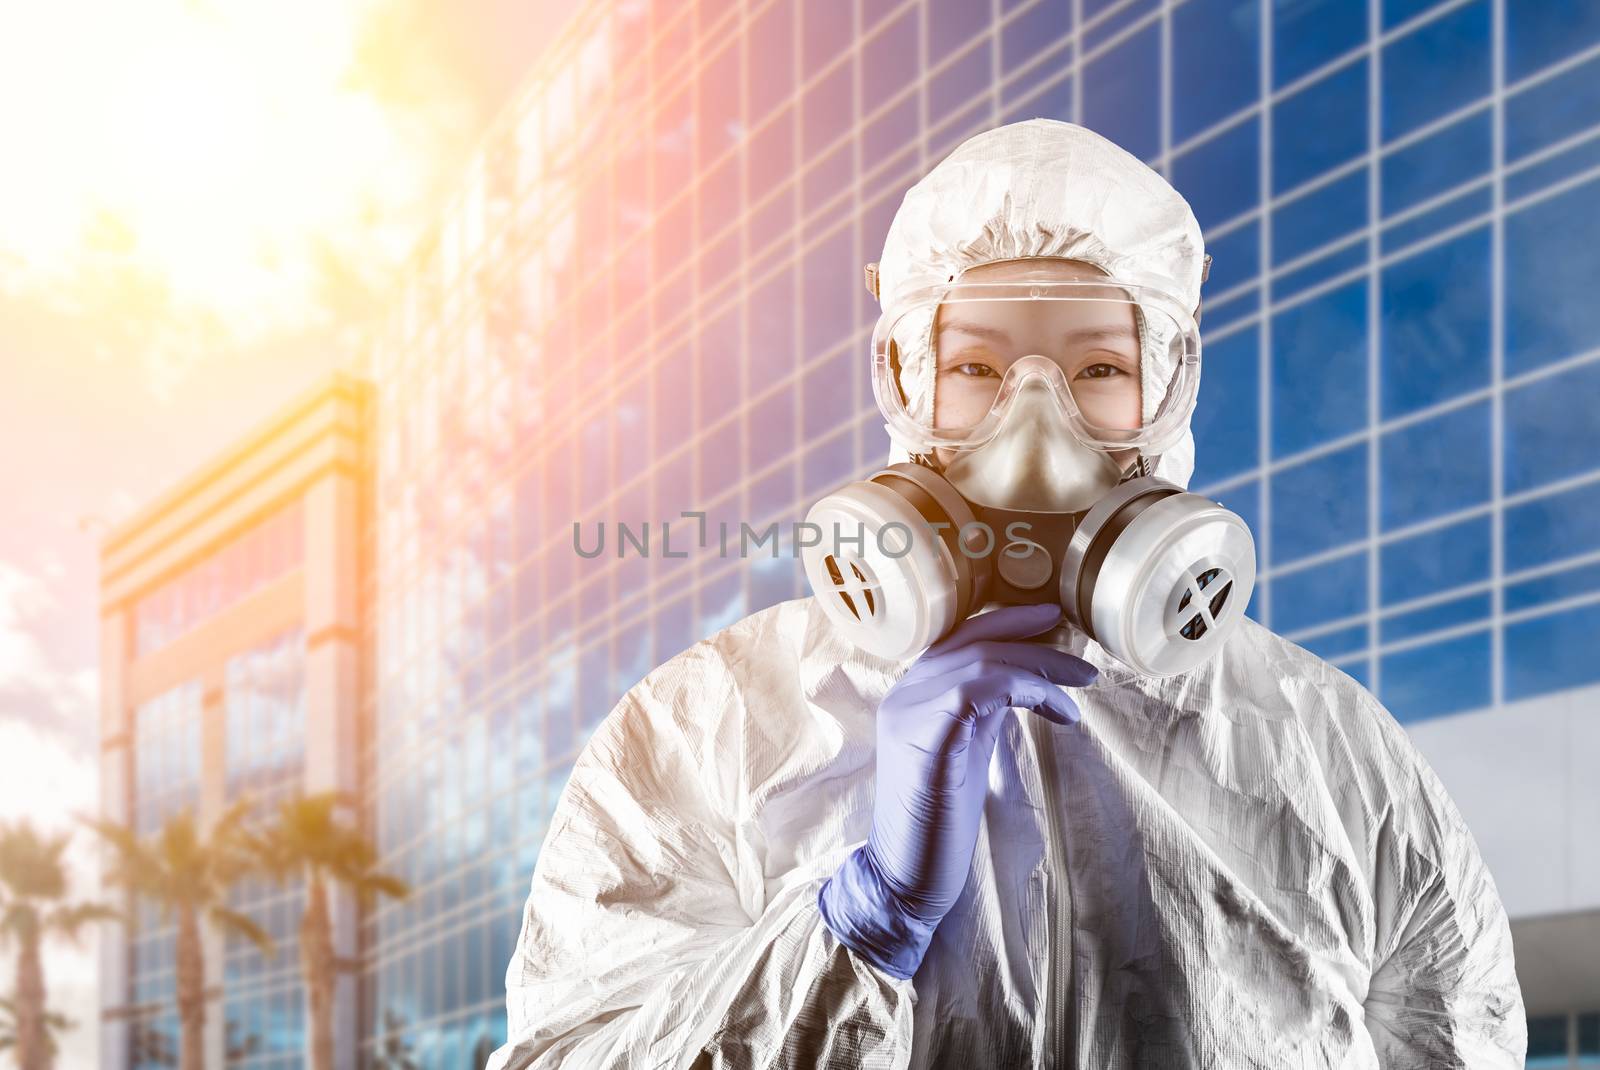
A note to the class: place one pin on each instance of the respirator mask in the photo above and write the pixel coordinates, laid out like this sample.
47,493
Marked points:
1038,402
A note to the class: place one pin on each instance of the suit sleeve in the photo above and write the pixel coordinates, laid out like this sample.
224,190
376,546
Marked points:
1444,991
649,937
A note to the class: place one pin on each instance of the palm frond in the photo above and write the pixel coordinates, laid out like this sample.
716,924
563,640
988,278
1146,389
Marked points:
271,853
30,862
309,829
53,1023
135,864
121,837
311,835
238,1045
333,801
357,854
235,819
68,920
237,848
181,866
242,925
178,846
372,885
19,919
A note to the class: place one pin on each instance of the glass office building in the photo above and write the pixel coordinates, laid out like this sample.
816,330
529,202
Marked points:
645,298
231,652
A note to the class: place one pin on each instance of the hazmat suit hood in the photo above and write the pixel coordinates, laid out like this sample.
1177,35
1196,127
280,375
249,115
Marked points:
1042,188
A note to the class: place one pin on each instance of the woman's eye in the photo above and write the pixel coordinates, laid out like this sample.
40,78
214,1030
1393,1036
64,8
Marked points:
1100,371
977,371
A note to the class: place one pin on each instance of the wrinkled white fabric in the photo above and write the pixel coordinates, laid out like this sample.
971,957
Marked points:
1246,865
1043,187
1259,870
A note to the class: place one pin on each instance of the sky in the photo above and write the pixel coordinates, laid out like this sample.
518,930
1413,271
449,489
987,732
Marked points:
202,204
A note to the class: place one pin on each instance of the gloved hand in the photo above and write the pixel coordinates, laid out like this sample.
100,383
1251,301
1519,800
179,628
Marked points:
936,731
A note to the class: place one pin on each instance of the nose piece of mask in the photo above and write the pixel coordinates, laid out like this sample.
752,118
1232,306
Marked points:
1034,462
1157,576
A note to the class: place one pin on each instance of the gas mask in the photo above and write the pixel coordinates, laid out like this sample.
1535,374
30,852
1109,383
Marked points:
1029,447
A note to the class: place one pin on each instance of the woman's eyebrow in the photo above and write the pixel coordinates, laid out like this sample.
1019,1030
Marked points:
977,330
1121,332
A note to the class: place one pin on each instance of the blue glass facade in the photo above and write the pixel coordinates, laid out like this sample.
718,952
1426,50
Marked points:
166,749
265,709
659,308
264,731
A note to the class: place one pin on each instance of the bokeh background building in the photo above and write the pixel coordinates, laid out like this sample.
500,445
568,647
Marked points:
645,298
231,645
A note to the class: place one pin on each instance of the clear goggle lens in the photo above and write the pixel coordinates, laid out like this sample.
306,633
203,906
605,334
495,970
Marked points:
1089,341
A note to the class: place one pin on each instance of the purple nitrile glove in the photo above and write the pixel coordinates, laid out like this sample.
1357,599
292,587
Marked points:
936,731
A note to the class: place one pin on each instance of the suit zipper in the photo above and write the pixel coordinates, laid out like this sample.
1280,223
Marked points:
1061,1029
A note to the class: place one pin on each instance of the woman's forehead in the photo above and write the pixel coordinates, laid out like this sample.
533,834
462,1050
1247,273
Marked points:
997,319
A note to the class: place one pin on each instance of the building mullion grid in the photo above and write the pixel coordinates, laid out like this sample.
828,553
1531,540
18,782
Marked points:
1497,489
1264,325
1374,349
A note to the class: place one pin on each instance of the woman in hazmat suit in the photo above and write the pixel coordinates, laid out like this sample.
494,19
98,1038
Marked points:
884,827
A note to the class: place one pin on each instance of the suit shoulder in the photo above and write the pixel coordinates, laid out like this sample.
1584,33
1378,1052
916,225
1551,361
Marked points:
1355,736
691,706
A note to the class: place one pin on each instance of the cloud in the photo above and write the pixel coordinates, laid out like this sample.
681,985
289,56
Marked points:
37,687
46,780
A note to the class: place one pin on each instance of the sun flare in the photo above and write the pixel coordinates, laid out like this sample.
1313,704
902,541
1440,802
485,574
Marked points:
215,147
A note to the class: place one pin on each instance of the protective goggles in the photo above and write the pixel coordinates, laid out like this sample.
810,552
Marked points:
949,360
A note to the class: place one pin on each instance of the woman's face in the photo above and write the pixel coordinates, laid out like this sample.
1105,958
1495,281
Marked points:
1095,343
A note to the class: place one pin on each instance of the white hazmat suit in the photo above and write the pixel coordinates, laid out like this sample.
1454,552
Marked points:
1243,865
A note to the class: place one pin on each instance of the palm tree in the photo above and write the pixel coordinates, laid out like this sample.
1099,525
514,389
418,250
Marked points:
394,1050
33,885
238,1045
310,841
187,875
151,1046
481,1051
53,1024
